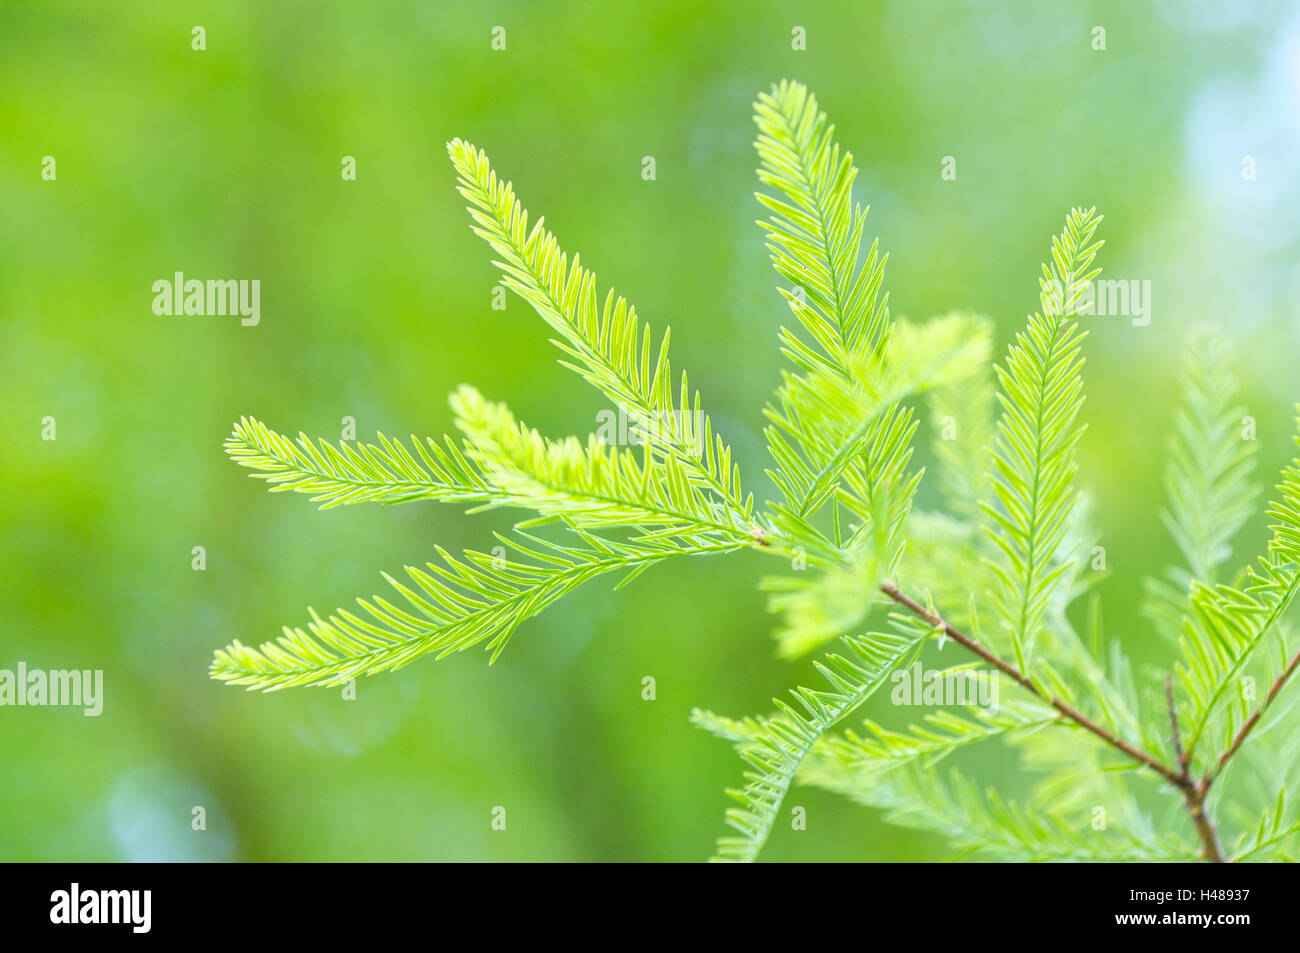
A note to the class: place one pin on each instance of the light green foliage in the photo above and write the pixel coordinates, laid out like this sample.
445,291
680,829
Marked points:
1210,492
1002,559
447,607
846,381
939,734
1274,838
603,340
1230,627
775,747
386,472
1041,392
989,827
815,235
1208,481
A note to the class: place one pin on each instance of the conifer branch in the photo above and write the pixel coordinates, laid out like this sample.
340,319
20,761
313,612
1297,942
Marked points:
1249,725
1179,779
1009,525
604,342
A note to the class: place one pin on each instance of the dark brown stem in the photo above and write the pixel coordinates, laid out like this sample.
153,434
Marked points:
1194,798
1193,794
1175,735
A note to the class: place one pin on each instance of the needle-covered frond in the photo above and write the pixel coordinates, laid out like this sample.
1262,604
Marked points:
815,234
819,602
1270,760
735,730
986,826
824,422
1275,839
1227,625
603,340
386,472
779,744
1208,486
1224,628
846,372
446,607
1040,391
839,761
1210,491
590,485
874,516
501,463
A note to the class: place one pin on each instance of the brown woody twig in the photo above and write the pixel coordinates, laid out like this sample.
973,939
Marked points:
1193,793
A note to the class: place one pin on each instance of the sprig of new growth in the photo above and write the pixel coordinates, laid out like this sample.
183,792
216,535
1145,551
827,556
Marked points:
603,340
680,496
1041,393
776,746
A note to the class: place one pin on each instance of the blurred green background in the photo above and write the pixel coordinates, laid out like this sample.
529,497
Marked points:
376,303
